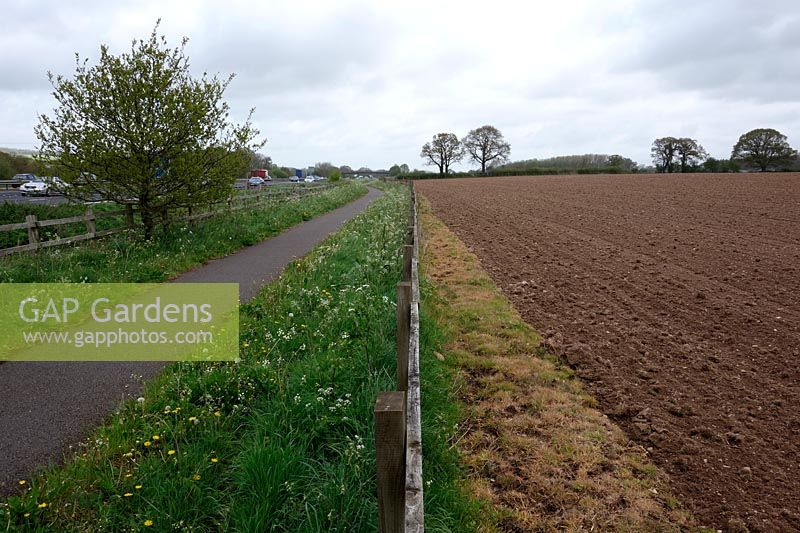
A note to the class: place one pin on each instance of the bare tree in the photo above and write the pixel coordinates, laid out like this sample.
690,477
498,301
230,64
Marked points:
663,152
689,152
444,150
763,148
486,146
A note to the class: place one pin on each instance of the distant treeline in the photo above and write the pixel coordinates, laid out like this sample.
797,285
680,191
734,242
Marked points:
588,164
18,164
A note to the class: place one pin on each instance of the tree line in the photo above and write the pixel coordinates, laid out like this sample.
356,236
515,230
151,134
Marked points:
762,149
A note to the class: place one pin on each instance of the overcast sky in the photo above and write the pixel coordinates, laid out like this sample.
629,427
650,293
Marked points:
368,82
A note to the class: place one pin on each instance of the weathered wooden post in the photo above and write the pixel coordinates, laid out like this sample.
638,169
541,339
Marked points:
91,226
403,329
33,229
390,456
408,253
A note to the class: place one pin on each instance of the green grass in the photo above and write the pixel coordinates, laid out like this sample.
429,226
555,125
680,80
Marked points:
127,258
281,440
12,213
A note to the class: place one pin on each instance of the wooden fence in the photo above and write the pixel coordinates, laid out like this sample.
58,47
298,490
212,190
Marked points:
89,218
398,428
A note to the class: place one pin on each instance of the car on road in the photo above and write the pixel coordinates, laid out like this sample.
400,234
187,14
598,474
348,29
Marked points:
309,179
255,181
42,186
22,178
294,179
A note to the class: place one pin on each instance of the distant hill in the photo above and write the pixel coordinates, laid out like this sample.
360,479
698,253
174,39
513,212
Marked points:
18,151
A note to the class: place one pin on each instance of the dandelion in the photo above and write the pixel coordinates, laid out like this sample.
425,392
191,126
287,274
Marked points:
42,505
171,452
140,399
156,437
128,475
147,443
245,344
196,477
148,523
138,487
214,460
26,515
22,481
193,419
217,413
128,494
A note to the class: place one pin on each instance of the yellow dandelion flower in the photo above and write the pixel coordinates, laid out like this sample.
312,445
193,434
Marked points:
22,481
128,494
128,475
26,515
147,443
156,437
137,487
217,413
214,460
192,418
171,452
196,477
245,344
148,523
42,505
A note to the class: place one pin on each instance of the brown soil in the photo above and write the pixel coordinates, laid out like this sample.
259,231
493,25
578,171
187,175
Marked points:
676,300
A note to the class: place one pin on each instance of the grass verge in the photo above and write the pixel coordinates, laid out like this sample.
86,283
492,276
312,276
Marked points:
281,440
123,258
533,442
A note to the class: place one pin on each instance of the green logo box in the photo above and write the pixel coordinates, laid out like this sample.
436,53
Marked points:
119,321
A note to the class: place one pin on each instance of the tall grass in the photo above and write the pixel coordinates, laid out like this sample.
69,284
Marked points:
281,440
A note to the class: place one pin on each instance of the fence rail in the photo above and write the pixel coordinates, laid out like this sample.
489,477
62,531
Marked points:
398,427
89,218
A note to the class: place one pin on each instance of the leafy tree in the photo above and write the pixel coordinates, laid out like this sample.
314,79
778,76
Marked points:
324,169
138,128
345,168
663,152
444,150
689,153
621,164
720,165
335,176
404,169
763,148
394,170
279,173
486,146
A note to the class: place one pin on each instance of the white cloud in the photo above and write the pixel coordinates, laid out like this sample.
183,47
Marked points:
366,83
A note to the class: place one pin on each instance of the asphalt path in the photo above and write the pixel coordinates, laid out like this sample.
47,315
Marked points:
47,407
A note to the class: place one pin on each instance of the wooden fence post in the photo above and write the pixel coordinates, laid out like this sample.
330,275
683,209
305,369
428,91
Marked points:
408,253
129,214
403,329
33,229
390,456
91,226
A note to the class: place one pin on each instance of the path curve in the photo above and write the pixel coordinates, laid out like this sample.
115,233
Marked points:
46,407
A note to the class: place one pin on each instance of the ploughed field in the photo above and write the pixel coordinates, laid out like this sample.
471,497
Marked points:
677,300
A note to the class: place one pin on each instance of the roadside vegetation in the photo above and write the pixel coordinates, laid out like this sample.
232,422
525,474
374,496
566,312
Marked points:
282,439
127,258
532,440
